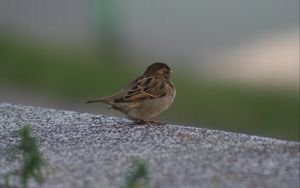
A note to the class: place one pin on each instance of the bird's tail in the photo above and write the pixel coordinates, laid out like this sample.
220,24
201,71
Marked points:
92,101
103,100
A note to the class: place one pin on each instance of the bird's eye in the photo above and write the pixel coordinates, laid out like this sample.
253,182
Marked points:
167,71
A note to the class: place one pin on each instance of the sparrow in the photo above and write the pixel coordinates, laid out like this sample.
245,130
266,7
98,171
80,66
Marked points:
145,97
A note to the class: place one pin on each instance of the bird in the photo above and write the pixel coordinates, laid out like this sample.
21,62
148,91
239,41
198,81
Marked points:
145,97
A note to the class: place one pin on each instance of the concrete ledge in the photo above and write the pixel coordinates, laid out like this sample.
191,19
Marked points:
86,150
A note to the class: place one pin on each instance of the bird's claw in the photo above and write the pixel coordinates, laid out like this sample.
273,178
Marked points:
150,122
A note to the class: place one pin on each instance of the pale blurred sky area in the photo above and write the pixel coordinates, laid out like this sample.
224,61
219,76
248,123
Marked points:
249,40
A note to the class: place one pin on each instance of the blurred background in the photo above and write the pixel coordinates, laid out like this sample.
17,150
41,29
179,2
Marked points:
235,63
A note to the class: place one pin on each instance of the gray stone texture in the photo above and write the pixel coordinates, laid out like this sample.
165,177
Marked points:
88,150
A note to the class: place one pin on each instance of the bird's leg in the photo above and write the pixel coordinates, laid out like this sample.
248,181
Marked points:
155,122
149,122
141,122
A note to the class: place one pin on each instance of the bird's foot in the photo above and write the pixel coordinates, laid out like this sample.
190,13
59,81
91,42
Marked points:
150,122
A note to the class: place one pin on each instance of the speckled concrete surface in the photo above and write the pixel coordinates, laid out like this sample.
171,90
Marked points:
86,150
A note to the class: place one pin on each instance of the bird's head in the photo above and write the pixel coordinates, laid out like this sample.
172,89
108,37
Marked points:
159,69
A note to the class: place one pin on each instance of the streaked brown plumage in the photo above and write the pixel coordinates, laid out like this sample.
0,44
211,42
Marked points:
145,97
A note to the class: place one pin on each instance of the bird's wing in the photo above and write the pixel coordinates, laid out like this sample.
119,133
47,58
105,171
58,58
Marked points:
145,87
